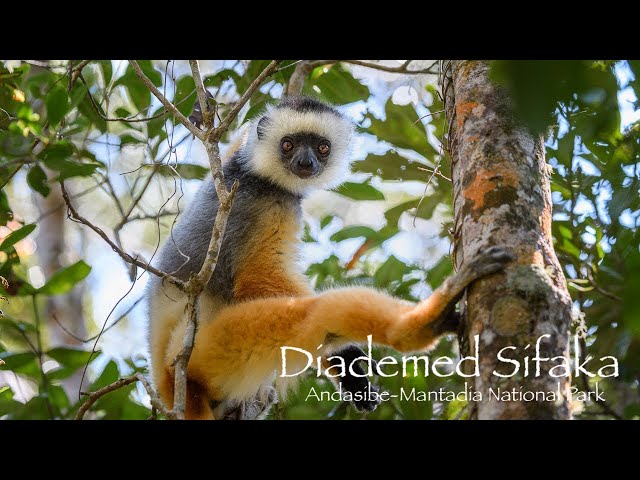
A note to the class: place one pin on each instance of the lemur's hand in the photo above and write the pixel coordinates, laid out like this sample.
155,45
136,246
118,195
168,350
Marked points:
485,263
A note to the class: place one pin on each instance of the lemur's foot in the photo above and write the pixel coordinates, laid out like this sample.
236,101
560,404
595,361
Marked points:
370,401
358,385
485,263
255,408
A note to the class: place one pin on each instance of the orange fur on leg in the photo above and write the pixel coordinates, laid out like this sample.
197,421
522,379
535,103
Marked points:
239,350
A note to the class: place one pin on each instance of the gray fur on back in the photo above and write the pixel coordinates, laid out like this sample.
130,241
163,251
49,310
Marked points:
192,232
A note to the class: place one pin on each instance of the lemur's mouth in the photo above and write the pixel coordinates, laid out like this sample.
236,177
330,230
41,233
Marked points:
304,173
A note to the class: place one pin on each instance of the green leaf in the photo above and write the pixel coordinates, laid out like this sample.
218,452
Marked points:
60,156
258,107
7,404
325,221
15,236
70,360
88,109
187,171
107,71
390,271
329,268
57,103
37,179
122,112
353,232
185,89
440,271
155,127
359,191
25,363
138,92
425,208
402,128
336,85
130,140
5,210
217,79
392,166
64,280
78,93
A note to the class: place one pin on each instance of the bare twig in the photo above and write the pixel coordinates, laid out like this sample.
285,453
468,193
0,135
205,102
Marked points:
94,396
598,287
207,114
296,81
164,213
77,71
76,217
155,401
399,69
168,105
115,322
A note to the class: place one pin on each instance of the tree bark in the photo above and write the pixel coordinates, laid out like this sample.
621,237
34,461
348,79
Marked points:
66,309
502,197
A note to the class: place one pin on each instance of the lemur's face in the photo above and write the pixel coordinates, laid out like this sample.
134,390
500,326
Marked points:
305,154
301,146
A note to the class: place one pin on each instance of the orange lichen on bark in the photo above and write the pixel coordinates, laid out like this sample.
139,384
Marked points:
487,180
463,109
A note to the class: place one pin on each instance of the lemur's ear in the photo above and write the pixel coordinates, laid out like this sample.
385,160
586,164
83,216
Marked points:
262,126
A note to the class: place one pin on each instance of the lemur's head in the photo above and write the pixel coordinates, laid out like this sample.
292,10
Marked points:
300,144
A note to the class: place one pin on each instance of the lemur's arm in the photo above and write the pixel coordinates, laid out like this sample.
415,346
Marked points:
240,350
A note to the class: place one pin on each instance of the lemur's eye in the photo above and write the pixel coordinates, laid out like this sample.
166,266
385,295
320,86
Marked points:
324,147
286,145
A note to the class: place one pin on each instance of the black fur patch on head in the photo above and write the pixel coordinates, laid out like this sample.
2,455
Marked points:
302,103
262,126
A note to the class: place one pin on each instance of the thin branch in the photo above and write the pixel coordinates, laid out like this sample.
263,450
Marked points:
132,118
597,286
155,401
115,322
170,106
76,217
137,198
399,69
165,213
77,71
207,114
296,81
94,396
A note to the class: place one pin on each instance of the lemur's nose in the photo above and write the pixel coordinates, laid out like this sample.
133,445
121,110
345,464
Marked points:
305,162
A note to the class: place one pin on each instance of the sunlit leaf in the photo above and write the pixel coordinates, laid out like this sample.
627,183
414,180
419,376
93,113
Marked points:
15,236
359,191
37,179
64,280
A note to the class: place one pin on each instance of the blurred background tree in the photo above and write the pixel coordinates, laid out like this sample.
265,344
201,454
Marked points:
73,312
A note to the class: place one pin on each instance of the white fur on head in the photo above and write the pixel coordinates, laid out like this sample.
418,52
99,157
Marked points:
265,159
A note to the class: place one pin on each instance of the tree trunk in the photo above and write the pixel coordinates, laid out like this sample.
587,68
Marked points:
51,245
502,197
60,309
